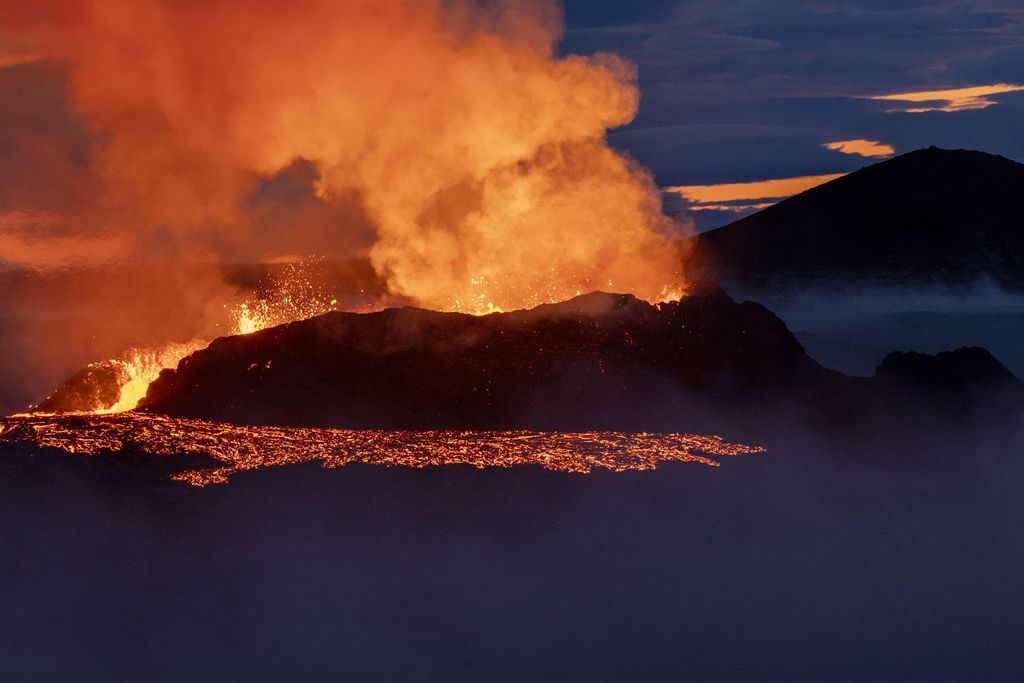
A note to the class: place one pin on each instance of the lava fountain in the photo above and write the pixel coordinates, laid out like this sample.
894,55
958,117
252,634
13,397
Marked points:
117,385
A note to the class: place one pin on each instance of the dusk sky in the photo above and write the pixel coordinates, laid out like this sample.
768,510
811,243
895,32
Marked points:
749,91
731,94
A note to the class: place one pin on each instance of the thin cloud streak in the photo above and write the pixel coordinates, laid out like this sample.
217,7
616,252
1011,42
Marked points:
10,59
953,100
41,240
731,208
756,192
865,148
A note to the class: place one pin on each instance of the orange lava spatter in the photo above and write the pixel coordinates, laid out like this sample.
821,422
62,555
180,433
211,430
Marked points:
290,297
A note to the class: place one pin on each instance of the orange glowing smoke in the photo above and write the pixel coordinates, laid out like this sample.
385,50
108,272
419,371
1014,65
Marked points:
478,153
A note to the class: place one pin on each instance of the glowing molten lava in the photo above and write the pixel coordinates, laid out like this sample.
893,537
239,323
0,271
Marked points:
290,296
239,448
119,384
141,367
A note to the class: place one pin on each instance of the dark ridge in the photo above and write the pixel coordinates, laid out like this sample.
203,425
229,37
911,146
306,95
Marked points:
916,393
598,360
949,371
932,216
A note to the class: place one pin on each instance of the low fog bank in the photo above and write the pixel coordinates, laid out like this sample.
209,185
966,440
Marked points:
851,328
818,559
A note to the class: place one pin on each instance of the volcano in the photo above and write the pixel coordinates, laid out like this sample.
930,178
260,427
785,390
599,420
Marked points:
929,217
598,361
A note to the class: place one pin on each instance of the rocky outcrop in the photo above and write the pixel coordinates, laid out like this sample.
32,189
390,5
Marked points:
951,372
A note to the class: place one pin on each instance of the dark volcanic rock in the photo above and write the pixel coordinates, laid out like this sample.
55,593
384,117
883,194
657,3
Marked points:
915,393
95,387
599,360
933,216
965,369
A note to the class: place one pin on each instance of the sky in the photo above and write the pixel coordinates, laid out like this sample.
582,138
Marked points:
755,90
731,94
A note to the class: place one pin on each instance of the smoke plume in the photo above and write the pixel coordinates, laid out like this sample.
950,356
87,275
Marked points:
445,139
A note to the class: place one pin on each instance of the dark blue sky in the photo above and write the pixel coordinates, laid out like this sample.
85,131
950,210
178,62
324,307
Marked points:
744,91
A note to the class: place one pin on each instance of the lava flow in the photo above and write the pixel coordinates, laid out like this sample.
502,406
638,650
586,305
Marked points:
243,448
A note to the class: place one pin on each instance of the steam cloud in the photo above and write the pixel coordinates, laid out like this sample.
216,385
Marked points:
444,139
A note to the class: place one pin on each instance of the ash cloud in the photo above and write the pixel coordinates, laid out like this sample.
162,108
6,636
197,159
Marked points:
446,141
153,150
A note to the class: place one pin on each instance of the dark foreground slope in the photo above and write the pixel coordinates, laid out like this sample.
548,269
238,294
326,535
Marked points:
934,216
600,361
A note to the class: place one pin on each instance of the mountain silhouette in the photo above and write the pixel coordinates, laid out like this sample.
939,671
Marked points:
933,216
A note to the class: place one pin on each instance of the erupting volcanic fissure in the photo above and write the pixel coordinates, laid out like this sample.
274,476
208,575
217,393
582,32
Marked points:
446,141
137,370
119,384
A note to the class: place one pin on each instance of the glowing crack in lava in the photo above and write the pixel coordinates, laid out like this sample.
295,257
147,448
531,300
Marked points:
242,448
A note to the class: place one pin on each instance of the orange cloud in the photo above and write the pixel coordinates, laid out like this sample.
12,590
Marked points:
957,99
865,148
705,197
41,239
474,149
13,58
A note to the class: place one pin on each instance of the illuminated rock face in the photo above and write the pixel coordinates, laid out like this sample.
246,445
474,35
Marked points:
596,361
94,388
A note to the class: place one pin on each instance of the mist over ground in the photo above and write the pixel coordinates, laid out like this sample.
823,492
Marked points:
851,327
813,560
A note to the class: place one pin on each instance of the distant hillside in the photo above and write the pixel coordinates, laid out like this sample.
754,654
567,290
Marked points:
933,216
